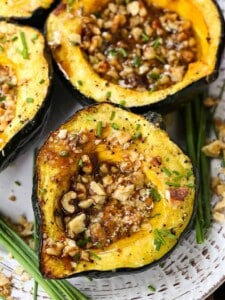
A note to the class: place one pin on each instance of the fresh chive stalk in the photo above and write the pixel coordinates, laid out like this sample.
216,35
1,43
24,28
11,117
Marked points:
35,293
196,121
57,290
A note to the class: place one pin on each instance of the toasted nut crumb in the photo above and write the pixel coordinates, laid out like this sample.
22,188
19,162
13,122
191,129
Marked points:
76,225
66,201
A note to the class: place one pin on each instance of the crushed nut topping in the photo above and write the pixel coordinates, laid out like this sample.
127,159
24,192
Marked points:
111,194
215,149
7,96
137,45
5,286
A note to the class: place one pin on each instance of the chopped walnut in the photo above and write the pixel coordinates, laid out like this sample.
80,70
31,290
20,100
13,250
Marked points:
5,285
214,148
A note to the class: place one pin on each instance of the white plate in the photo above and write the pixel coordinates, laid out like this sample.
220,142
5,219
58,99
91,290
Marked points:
192,271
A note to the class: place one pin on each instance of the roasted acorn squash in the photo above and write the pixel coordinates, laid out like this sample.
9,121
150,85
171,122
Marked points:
32,12
64,35
111,192
26,75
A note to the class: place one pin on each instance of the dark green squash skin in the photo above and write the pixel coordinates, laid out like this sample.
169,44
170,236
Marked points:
171,102
37,19
152,117
24,137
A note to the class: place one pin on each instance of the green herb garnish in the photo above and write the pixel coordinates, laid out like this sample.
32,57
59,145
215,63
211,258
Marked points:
145,37
108,94
112,52
113,113
123,103
123,52
137,62
2,98
76,257
190,185
99,129
155,195
24,51
89,118
151,288
94,255
154,75
174,184
159,235
15,38
80,163
137,135
157,42
29,100
189,173
41,81
166,171
115,126
151,91
138,126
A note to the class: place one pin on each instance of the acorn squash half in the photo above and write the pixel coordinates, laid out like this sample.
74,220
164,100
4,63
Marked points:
26,76
64,35
26,12
111,193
